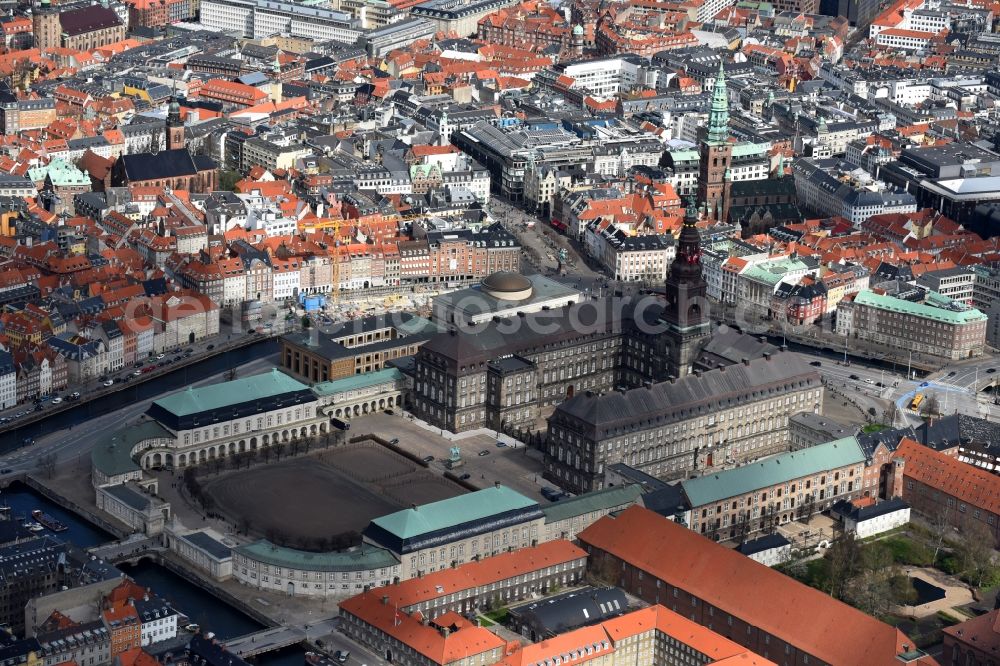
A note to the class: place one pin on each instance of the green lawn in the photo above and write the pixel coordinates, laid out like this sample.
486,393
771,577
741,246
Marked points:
874,427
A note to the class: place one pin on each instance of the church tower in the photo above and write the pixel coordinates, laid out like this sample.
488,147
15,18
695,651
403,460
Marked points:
716,152
685,314
175,126
45,26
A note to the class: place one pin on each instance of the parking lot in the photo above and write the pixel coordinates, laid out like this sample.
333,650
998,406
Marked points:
518,468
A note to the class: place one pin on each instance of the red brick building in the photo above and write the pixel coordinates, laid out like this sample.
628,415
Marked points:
973,642
777,617
935,483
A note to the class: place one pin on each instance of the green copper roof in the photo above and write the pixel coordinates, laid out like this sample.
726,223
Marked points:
355,382
356,559
426,518
61,173
773,272
246,389
599,500
745,148
770,471
114,456
718,117
935,307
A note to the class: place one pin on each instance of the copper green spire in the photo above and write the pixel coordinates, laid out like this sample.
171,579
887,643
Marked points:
718,117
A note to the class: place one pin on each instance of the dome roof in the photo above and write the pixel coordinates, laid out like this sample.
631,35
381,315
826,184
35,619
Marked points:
509,286
577,29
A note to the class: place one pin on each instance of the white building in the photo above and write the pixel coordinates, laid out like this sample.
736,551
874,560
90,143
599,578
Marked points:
8,381
627,257
868,521
769,550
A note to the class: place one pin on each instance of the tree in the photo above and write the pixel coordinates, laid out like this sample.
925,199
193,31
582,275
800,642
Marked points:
976,551
871,590
228,179
306,322
266,452
939,524
279,448
243,525
845,560
931,406
46,464
891,413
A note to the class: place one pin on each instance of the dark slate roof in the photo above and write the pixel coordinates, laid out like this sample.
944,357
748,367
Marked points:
571,610
766,542
210,545
497,338
728,346
869,441
212,653
950,431
848,510
155,286
667,402
165,164
764,187
88,19
668,501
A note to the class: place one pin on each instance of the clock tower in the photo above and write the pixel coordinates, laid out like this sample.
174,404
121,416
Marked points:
714,176
685,315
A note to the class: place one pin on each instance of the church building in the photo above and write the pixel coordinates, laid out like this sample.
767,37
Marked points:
174,167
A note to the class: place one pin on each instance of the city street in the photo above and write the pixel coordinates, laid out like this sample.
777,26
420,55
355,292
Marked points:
75,443
544,239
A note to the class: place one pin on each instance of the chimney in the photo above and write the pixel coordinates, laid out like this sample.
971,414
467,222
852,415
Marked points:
445,631
784,348
414,507
722,367
763,339
385,600
746,361
697,372
767,356
672,379
496,483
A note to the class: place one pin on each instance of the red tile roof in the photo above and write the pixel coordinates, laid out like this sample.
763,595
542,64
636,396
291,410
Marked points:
942,472
835,633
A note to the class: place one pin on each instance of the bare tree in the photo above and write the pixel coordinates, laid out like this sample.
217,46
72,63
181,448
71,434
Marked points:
46,464
940,527
931,406
891,412
845,559
871,589
977,550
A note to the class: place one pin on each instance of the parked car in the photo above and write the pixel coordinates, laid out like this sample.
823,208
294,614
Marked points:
854,378
210,347
109,382
137,373
159,356
990,371
428,459
57,400
394,440
484,452
75,395
465,477
501,445
6,470
815,364
342,656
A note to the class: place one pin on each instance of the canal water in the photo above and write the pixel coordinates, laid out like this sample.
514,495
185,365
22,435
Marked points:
23,500
138,391
211,613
